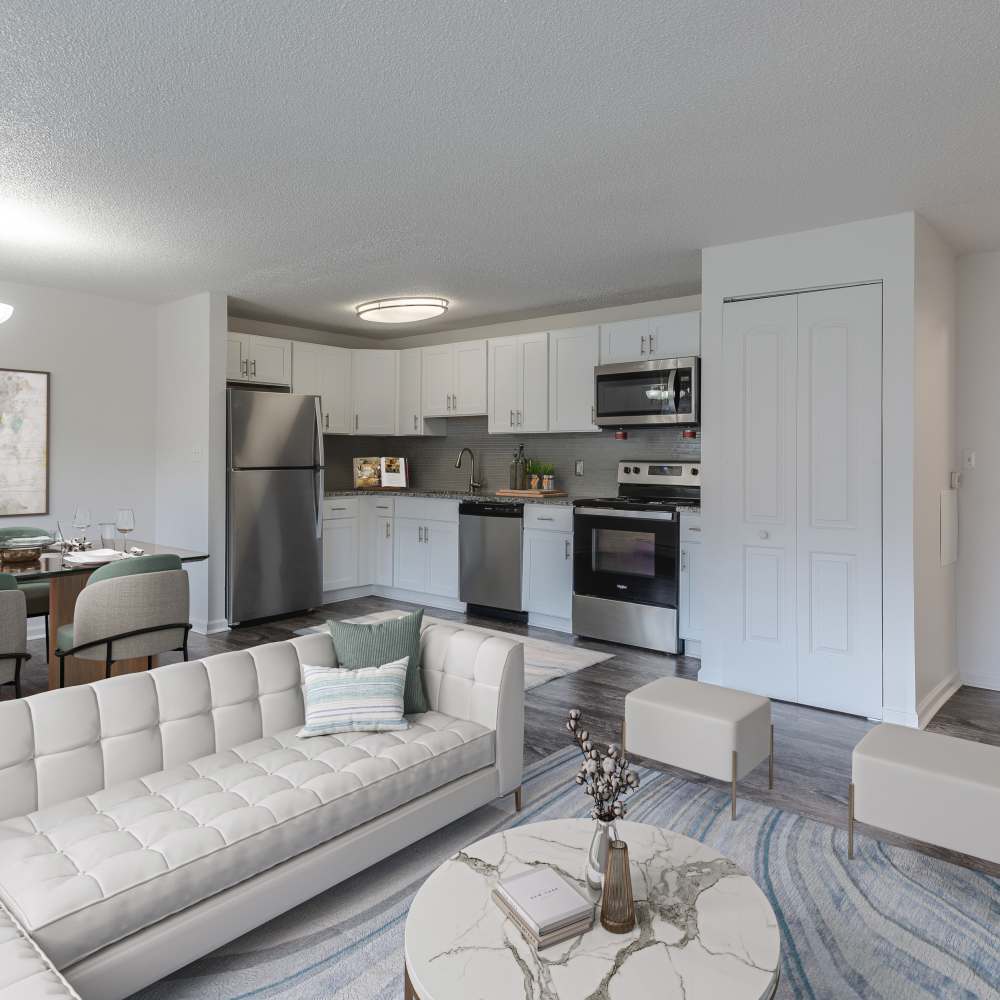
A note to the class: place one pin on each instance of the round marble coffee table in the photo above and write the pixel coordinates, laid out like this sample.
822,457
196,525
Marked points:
704,930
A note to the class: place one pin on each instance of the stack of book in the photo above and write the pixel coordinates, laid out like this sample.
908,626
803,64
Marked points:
545,907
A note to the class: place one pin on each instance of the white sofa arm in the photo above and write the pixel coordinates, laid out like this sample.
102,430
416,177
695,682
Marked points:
480,677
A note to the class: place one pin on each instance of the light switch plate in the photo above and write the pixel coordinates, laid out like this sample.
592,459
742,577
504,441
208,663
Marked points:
579,467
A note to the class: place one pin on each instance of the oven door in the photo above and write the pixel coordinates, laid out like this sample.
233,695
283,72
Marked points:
626,555
647,392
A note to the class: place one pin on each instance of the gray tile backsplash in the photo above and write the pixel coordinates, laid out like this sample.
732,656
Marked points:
432,459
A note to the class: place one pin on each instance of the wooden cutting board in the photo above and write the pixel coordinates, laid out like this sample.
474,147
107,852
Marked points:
532,494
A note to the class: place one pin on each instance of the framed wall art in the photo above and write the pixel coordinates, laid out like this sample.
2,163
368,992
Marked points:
24,443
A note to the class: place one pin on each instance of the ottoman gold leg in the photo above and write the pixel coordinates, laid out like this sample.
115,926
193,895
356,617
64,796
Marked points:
770,761
733,793
409,993
850,821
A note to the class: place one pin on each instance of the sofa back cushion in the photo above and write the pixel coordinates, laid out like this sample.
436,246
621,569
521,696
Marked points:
76,741
63,744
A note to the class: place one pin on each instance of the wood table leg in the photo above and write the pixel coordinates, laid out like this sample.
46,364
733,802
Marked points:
409,993
63,592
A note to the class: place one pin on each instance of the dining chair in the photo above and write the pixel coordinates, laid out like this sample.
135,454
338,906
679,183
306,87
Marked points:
13,629
128,609
36,592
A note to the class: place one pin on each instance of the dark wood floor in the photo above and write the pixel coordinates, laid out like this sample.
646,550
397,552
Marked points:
812,747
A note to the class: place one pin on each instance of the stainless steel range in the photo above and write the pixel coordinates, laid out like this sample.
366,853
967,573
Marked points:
627,555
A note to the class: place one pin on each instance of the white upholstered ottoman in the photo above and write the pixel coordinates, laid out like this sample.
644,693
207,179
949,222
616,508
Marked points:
703,728
927,786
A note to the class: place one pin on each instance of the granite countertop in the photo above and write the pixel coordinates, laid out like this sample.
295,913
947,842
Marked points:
453,495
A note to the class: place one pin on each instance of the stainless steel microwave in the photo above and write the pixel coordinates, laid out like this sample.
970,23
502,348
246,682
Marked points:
647,392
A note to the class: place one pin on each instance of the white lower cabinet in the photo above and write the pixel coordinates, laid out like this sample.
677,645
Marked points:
382,551
547,581
425,549
689,603
341,544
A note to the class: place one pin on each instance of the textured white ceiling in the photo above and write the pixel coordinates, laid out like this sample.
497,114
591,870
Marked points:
517,157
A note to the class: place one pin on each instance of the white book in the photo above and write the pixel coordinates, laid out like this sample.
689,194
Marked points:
545,899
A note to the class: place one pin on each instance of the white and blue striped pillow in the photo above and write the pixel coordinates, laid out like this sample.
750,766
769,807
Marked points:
366,700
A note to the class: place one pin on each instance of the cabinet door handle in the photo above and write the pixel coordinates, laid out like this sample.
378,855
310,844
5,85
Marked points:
567,548
326,421
540,518
386,529
592,414
244,368
511,418
447,401
642,344
427,534
254,367
694,527
765,534
454,401
338,508
420,533
414,421
355,421
652,342
519,421
684,561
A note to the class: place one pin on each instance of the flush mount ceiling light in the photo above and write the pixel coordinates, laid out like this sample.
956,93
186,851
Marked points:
6,312
403,309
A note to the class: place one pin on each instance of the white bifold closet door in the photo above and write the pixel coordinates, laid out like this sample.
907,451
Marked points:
803,464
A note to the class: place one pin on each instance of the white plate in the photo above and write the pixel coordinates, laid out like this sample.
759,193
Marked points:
92,557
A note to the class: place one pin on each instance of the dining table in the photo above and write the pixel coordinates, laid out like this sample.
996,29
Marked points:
66,579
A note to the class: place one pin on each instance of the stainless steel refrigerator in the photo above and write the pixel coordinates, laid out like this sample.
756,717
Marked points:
274,504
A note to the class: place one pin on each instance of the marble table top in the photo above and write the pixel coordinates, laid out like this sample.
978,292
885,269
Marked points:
704,929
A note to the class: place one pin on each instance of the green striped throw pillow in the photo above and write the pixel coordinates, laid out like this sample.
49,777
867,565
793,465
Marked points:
362,645
367,700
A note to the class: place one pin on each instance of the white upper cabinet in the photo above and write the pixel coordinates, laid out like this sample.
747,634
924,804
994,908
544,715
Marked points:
258,359
677,335
469,392
438,379
454,379
375,380
517,398
237,352
319,370
409,411
573,356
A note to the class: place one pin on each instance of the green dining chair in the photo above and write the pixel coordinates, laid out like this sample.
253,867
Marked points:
13,629
128,609
36,592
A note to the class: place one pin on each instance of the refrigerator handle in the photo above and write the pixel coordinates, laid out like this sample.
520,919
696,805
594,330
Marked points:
319,474
318,447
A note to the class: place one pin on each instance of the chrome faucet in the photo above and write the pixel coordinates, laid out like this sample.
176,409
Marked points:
473,485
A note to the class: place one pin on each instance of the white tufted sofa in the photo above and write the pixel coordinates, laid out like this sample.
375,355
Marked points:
147,819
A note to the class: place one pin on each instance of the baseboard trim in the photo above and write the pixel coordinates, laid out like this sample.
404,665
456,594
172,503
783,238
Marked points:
550,622
692,648
974,679
203,627
393,594
931,703
899,717
346,594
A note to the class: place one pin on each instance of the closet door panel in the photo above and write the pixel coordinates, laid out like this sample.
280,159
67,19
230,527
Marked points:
759,384
839,469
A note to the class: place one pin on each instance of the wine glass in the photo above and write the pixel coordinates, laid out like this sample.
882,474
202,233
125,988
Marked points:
81,520
125,522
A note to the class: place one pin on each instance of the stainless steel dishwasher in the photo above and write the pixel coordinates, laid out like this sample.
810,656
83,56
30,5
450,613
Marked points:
489,556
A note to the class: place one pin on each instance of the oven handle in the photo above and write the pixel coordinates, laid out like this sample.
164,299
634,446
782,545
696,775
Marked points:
638,515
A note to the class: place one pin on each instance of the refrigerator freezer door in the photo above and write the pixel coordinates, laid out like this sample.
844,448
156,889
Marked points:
275,540
273,430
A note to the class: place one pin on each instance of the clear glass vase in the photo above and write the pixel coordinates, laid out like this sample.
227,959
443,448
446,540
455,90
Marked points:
597,857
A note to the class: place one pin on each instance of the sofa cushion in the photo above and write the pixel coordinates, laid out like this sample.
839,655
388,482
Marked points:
366,700
25,971
92,870
364,644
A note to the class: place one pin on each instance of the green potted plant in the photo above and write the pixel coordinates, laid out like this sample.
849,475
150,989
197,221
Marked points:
534,474
548,473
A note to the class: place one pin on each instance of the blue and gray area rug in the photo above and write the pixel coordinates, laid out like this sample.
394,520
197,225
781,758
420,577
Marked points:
892,924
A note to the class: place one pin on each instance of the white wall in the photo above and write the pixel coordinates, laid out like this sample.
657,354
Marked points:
190,444
978,421
936,417
874,250
101,353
